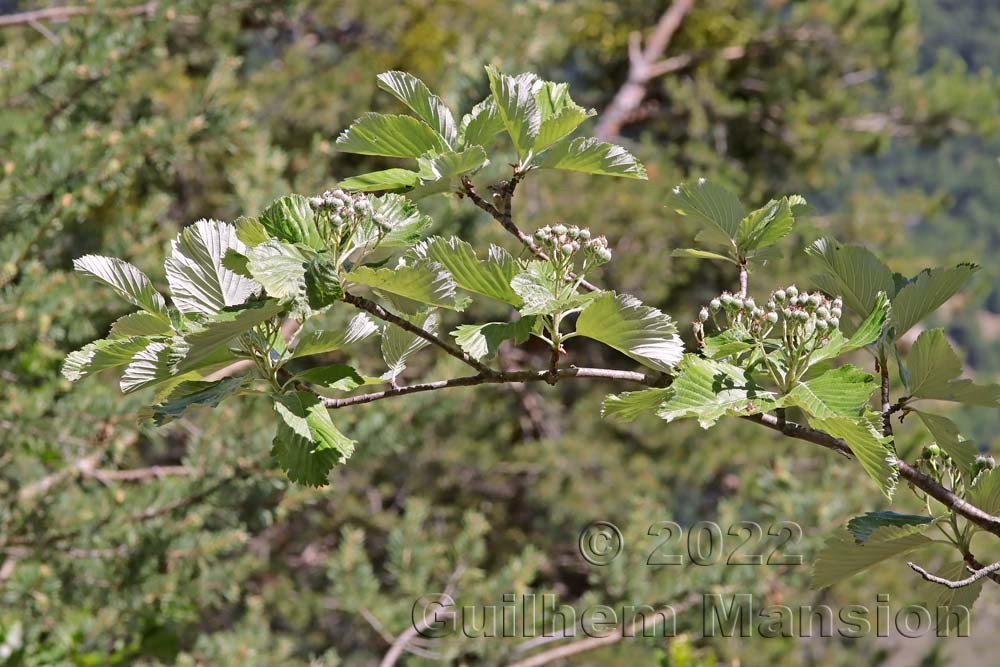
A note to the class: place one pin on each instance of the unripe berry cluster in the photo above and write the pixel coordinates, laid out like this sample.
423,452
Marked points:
815,310
346,208
562,241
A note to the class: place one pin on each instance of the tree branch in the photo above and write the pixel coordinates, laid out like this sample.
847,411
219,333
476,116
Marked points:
635,629
949,499
641,68
384,315
60,13
504,194
496,377
976,575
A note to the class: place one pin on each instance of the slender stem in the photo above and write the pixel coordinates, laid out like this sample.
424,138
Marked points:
496,377
886,408
976,575
505,193
384,315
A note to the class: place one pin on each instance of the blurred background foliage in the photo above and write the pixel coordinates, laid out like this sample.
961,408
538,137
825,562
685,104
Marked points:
125,544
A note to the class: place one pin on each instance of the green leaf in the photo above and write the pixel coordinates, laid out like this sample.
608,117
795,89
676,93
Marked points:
336,376
130,283
711,205
322,282
424,282
728,343
198,280
542,293
946,435
986,493
708,390
640,332
933,366
592,156
867,444
482,124
629,405
236,263
560,114
150,366
841,391
515,101
701,254
292,220
843,557
412,92
280,268
481,341
490,277
445,166
390,136
100,355
766,226
156,364
400,216
208,336
868,332
140,323
862,527
852,272
386,179
399,345
250,231
925,293
943,599
194,392
358,329
307,445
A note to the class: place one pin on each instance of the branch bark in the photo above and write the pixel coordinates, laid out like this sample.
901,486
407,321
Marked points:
642,67
636,628
381,313
495,377
961,583
61,13
504,194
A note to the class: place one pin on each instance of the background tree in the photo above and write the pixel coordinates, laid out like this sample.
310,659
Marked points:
198,110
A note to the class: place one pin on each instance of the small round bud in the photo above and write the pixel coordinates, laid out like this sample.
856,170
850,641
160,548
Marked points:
792,291
559,229
606,255
585,234
836,312
567,249
703,314
834,322
931,451
715,304
779,295
772,317
823,311
822,325
749,303
539,236
727,299
815,300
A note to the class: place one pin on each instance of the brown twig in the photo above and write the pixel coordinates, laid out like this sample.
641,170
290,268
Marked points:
643,65
381,313
961,583
61,13
495,377
504,193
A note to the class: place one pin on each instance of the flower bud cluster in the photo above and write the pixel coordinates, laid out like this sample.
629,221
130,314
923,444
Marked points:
803,313
562,241
346,208
815,311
